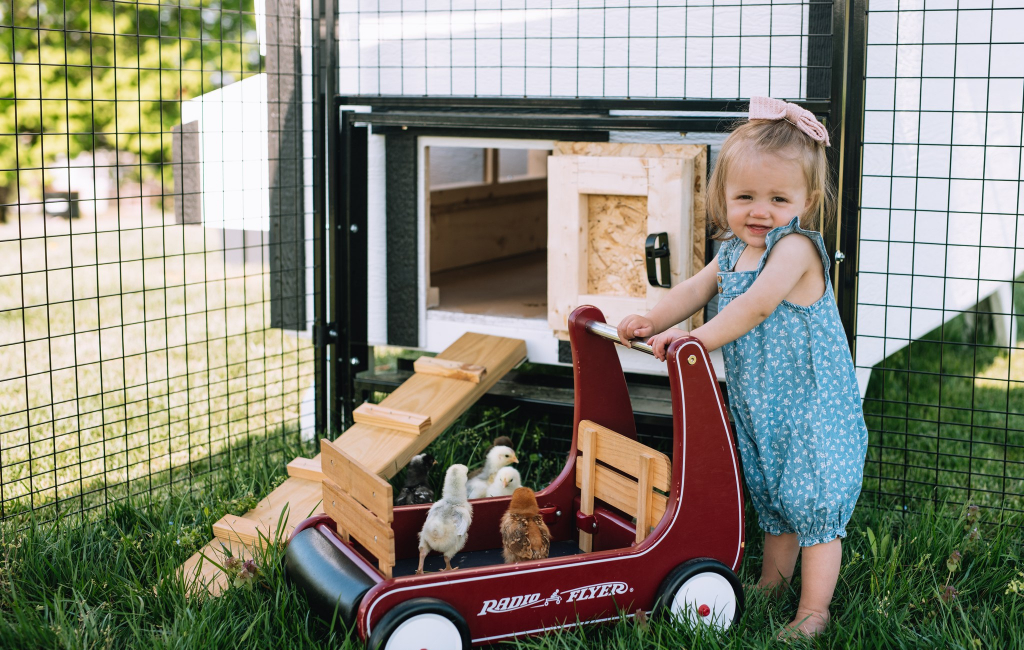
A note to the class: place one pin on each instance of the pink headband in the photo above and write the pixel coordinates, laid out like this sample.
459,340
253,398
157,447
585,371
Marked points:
766,108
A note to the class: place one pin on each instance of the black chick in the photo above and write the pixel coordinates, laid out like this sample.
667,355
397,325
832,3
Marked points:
417,488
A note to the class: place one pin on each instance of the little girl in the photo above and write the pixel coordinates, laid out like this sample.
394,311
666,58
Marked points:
792,388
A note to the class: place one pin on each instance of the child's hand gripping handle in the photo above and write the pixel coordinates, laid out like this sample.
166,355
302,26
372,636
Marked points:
606,331
635,326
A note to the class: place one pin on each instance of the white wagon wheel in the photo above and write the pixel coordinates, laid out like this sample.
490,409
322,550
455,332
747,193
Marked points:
420,624
701,592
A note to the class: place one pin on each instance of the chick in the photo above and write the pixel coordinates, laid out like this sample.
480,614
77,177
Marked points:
497,458
500,441
505,482
447,524
416,488
524,535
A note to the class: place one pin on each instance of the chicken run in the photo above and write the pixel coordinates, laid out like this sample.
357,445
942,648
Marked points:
631,530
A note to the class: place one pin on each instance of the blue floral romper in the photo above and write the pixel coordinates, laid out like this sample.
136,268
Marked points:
796,406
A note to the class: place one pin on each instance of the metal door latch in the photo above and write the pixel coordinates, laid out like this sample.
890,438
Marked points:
657,248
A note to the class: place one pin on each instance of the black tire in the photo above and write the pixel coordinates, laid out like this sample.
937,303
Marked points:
424,609
707,576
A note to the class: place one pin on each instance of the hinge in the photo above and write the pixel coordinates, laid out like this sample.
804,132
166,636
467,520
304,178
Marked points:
325,334
586,523
551,514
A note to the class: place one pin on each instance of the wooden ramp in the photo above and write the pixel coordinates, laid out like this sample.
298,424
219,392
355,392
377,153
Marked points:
383,439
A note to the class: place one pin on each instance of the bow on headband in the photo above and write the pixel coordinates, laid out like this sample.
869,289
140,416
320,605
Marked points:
766,108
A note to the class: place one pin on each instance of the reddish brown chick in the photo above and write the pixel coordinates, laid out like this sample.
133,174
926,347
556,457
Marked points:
524,534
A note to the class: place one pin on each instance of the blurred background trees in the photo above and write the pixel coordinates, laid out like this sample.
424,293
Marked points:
84,75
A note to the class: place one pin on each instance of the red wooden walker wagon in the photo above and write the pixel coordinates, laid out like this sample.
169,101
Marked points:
678,558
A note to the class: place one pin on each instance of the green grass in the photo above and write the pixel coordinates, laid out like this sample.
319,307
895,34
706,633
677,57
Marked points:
111,583
130,352
946,419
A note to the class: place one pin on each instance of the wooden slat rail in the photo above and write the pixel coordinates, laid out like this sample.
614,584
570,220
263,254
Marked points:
354,520
384,416
241,530
370,490
451,369
360,502
307,468
602,449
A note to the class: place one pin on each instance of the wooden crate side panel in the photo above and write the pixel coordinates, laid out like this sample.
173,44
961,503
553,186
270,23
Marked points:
369,530
644,497
624,454
368,489
586,480
621,492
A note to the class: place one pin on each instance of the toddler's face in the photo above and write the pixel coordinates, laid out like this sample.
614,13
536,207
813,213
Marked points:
763,191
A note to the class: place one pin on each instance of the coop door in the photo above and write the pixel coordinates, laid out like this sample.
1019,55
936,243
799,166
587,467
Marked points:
604,201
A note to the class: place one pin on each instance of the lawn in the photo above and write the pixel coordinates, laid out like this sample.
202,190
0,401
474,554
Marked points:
133,352
946,418
111,583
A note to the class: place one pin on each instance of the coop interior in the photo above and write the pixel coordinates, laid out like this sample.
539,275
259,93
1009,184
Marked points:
488,231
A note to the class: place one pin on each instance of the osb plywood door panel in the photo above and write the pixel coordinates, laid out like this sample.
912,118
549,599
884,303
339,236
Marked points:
595,233
616,232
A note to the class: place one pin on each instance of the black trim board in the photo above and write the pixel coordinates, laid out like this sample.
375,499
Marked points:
402,197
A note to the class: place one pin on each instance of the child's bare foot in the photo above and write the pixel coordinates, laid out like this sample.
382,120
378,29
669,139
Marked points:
806,624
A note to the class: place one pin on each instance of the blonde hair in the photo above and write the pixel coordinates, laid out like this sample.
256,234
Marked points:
780,138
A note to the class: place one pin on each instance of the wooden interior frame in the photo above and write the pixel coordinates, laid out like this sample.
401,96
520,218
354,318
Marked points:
624,474
671,177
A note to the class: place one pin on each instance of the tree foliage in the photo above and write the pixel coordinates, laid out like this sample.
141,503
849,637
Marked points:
79,75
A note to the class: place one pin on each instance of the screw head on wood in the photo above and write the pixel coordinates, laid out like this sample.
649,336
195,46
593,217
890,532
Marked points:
692,359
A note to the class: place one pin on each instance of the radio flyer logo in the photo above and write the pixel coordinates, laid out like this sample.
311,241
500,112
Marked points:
600,590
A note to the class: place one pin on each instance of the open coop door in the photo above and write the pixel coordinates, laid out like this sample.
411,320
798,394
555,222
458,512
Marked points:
625,224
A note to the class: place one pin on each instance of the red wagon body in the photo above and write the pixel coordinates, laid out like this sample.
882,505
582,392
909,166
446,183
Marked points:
685,565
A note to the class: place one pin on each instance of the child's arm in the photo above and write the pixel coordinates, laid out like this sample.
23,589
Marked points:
792,260
681,302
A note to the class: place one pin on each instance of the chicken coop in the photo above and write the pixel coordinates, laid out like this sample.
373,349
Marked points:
493,177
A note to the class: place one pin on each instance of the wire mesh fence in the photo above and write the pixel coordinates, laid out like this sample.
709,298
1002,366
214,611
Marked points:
156,198
937,348
155,191
558,48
